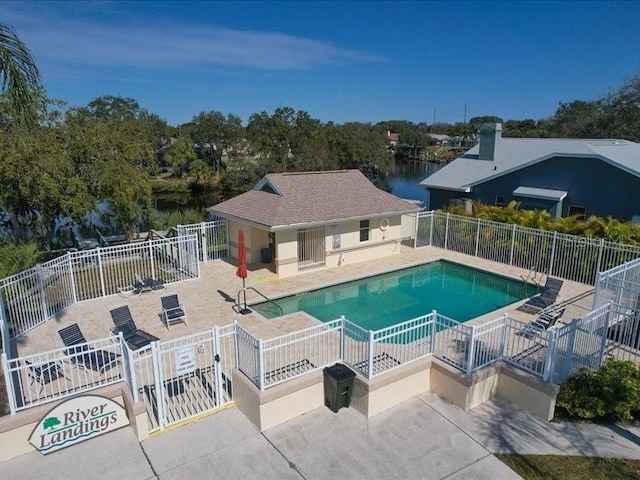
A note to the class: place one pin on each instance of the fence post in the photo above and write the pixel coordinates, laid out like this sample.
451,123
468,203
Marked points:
550,360
9,384
434,328
605,331
153,267
217,365
261,365
513,244
134,380
568,356
205,253
596,291
342,340
235,341
446,232
370,356
600,252
73,279
43,296
157,375
503,340
129,372
553,253
431,229
471,350
99,254
415,230
478,237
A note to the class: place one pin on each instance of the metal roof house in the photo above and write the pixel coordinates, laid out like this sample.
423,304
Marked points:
315,220
563,176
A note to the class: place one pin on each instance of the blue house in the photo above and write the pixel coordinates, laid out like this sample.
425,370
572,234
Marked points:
564,176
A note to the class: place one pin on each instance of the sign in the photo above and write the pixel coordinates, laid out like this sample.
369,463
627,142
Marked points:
185,360
76,420
337,241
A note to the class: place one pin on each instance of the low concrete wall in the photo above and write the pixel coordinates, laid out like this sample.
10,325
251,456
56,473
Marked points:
280,403
528,391
15,430
390,389
465,391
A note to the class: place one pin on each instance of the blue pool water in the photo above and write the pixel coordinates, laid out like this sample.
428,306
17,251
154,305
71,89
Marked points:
377,302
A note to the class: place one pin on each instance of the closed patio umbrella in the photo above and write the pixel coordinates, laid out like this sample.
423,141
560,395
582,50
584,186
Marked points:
242,268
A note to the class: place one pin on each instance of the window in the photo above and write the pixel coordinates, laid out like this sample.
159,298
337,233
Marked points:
575,210
364,230
500,201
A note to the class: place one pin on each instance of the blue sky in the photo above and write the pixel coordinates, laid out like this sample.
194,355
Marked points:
339,61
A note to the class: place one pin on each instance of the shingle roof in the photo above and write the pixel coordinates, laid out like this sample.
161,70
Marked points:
312,197
516,153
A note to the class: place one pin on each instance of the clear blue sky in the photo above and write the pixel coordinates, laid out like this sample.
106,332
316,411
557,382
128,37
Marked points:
340,61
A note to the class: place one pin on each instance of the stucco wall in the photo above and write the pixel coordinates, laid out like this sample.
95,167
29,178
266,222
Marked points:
591,183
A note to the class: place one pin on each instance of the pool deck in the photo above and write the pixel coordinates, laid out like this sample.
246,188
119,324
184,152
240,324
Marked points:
209,300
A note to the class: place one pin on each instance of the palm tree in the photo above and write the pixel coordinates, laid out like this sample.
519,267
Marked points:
19,75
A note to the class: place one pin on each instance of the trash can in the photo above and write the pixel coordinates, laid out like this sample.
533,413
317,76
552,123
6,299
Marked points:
266,255
338,386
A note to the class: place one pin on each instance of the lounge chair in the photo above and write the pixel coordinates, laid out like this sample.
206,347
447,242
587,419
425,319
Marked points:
172,311
111,240
124,323
82,355
43,374
543,323
149,283
545,299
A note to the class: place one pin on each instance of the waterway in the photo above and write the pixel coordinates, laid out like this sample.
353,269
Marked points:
404,181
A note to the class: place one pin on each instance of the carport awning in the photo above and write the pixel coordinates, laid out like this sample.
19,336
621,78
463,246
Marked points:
540,193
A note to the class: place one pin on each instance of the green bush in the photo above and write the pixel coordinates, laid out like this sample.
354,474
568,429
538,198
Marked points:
610,393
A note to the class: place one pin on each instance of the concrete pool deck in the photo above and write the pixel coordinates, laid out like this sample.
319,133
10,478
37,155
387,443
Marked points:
425,437
209,299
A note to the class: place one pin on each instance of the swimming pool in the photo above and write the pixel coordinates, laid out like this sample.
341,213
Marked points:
456,291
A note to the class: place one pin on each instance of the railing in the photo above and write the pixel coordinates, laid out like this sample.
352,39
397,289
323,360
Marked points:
276,360
620,285
35,295
566,256
213,238
40,378
262,295
452,341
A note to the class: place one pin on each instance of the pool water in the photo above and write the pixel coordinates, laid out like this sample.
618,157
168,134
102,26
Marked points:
456,291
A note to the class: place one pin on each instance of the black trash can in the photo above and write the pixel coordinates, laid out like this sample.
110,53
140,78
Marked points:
338,386
265,253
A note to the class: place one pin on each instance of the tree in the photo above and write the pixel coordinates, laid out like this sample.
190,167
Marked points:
179,155
216,135
19,76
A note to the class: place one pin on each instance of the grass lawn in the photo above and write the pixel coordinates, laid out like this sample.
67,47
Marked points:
557,467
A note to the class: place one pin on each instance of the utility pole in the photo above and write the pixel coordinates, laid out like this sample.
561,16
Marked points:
465,114
434,116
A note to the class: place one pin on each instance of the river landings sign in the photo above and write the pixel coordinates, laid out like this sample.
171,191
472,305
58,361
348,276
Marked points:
77,420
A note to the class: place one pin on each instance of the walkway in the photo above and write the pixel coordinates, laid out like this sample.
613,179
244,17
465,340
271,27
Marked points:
424,437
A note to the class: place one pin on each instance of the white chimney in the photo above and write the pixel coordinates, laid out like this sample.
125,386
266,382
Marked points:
490,137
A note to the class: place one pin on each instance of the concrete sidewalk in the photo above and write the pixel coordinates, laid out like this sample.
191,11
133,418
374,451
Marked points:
425,437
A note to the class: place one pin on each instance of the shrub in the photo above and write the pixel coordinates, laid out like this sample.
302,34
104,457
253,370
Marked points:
610,393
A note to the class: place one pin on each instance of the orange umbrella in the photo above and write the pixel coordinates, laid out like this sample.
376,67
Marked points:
242,267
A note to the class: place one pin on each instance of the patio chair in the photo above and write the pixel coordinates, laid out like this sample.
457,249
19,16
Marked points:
124,323
172,311
150,283
82,355
41,375
543,323
545,299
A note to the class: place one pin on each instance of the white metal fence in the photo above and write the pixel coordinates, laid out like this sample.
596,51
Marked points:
35,295
213,238
620,285
39,378
566,256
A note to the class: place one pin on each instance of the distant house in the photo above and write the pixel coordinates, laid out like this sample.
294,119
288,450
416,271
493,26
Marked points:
315,220
438,140
563,176
393,138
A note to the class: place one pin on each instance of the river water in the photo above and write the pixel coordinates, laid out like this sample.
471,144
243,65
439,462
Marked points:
406,177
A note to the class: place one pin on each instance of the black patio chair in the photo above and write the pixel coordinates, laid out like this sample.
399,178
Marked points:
124,323
172,311
543,323
545,299
82,355
42,374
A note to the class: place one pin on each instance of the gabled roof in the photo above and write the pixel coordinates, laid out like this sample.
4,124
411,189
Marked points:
294,199
517,153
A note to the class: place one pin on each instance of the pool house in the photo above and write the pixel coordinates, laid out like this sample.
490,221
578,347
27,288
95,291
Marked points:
270,364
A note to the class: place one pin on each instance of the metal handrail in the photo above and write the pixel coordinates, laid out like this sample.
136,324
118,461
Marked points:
262,295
